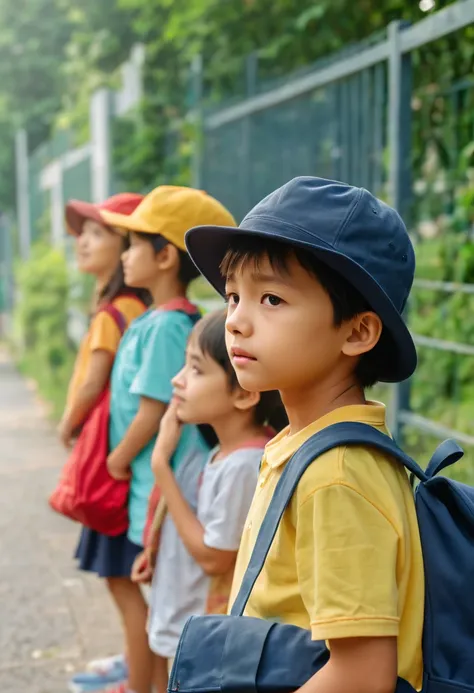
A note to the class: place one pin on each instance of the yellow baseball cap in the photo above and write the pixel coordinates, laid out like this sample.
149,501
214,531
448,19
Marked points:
170,211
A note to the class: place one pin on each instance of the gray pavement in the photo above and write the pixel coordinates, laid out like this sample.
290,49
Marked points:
52,617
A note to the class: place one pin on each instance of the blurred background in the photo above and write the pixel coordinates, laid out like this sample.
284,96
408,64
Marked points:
236,97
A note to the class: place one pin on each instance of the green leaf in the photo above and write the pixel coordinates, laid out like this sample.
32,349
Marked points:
316,12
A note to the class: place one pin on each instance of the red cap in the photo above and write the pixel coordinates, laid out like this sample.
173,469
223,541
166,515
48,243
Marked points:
78,211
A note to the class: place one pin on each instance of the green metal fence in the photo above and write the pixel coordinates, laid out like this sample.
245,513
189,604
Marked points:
371,118
337,129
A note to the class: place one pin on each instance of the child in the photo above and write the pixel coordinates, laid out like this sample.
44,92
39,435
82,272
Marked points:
151,353
99,249
206,506
316,279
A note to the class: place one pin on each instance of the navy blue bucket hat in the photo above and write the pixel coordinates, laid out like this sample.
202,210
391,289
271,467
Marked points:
346,228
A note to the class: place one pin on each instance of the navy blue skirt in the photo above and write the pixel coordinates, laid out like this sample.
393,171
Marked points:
108,557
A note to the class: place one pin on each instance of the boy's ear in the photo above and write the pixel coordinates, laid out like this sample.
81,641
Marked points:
167,257
364,333
244,400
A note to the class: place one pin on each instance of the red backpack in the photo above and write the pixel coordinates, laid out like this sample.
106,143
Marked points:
86,492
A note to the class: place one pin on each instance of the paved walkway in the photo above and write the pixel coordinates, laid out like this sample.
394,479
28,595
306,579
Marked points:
52,618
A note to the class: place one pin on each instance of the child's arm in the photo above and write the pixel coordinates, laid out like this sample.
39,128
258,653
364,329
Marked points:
96,379
347,553
212,561
144,565
162,356
357,665
141,431
191,531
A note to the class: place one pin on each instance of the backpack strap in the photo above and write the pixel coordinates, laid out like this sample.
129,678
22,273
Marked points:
182,305
335,436
116,316
444,456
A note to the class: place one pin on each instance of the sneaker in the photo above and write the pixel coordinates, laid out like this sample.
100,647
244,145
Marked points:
99,666
101,674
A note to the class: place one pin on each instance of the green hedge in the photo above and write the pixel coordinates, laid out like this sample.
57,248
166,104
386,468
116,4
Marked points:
42,346
443,386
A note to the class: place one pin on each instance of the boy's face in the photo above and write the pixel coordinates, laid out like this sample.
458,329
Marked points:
280,329
201,389
142,264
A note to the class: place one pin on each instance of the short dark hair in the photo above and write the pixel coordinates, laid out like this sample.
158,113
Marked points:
346,300
210,335
187,269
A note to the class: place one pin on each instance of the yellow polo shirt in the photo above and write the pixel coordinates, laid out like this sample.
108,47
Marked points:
346,560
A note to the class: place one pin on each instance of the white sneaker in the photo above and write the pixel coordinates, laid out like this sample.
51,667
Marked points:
104,665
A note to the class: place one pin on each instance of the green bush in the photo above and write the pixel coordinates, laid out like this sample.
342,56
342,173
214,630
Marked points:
443,386
41,318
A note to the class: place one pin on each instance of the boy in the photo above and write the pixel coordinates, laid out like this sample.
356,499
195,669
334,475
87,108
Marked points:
151,353
207,504
316,279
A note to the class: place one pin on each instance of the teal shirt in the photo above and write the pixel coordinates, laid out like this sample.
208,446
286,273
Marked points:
151,353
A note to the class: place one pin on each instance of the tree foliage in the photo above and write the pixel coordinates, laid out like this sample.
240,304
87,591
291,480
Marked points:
283,36
54,53
32,40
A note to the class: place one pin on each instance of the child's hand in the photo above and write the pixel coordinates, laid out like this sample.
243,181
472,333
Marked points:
66,434
168,437
116,467
143,567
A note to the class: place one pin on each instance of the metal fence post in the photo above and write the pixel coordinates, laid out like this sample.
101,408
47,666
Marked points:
196,114
101,152
23,193
251,70
399,175
251,74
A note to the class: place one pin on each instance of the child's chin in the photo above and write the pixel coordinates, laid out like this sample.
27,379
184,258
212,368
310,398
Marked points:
251,383
133,283
86,268
187,418
183,416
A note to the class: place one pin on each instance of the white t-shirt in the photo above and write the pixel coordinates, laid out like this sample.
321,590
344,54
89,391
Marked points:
220,494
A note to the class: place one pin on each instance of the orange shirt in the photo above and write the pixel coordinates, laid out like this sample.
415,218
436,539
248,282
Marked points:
103,334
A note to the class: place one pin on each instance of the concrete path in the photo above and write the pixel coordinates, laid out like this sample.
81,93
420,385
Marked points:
52,618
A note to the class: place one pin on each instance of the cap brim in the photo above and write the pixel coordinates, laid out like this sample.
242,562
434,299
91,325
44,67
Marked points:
207,246
123,221
77,211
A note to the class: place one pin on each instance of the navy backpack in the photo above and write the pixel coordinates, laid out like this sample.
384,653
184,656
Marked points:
236,654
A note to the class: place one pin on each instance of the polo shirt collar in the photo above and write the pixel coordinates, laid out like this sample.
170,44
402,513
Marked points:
283,446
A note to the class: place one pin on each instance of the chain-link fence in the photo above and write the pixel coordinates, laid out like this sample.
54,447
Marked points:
381,116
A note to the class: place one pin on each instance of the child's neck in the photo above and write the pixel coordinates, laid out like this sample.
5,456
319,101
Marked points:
234,431
101,281
165,289
307,405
